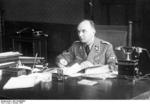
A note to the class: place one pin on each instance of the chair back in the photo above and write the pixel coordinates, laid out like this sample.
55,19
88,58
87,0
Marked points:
116,35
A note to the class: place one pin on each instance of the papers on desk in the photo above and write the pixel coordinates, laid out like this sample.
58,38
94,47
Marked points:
72,69
9,59
87,82
24,67
97,73
97,70
20,82
9,54
30,60
76,75
100,73
101,76
27,81
8,64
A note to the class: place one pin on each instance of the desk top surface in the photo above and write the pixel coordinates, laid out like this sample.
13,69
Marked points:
117,88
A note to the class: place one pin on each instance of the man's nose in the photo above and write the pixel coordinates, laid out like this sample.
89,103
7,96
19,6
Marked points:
80,34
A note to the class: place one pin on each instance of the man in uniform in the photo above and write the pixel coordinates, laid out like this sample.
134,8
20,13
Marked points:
89,51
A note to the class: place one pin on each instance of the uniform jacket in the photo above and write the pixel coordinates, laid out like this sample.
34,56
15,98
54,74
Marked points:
101,53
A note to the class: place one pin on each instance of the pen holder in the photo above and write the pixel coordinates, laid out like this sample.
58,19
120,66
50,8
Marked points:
60,75
128,51
1,74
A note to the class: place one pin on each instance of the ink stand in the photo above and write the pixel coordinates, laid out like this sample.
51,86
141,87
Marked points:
128,66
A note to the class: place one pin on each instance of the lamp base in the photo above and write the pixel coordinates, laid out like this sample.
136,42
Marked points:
127,67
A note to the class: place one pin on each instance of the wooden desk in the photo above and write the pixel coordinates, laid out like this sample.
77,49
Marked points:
70,89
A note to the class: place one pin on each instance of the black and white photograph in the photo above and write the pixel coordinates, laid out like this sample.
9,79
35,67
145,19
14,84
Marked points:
74,50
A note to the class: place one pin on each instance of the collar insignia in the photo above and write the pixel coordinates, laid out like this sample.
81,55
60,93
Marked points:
80,47
97,48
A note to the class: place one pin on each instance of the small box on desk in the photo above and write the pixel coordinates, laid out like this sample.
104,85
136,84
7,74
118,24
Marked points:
127,67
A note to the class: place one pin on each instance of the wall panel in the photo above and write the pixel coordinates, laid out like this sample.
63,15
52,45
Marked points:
51,11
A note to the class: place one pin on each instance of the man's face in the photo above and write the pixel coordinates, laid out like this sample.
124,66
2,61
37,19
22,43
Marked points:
85,32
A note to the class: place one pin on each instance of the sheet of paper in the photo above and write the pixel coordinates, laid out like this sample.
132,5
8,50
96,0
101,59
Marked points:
20,82
72,69
24,67
9,54
102,75
42,77
97,70
7,64
27,81
30,60
76,75
87,82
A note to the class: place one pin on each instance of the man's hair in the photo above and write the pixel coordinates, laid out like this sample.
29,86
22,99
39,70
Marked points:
91,23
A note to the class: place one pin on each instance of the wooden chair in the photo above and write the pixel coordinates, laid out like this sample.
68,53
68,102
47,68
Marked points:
116,35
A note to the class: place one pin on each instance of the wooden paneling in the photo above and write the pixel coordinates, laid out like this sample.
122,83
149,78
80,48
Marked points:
49,11
0,31
110,12
60,36
1,27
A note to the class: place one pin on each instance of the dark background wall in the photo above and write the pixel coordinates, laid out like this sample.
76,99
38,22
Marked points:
49,11
59,18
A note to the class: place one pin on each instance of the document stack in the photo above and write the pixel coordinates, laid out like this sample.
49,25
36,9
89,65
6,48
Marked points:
31,60
9,59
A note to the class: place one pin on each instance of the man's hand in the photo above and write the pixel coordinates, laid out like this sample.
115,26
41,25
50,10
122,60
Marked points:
62,63
75,68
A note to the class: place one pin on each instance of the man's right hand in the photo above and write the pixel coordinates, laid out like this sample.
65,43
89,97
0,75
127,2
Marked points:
62,63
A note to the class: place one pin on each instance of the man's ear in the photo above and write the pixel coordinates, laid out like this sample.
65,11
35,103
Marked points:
94,31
